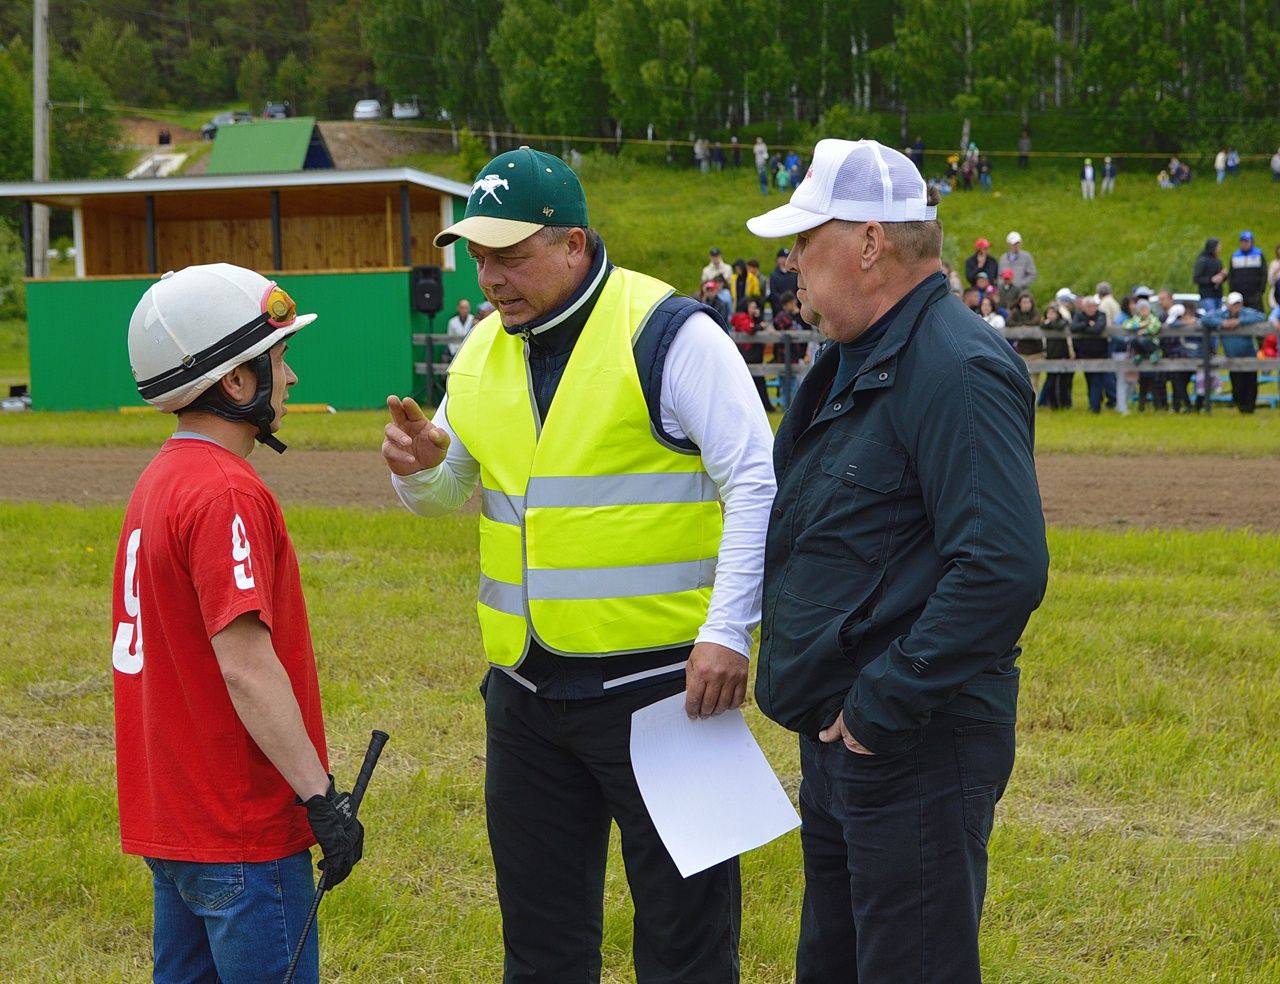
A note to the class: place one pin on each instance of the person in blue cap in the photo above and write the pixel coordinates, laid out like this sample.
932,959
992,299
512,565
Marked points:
1249,271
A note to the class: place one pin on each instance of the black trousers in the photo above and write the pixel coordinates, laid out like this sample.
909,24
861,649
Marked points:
558,772
1151,384
1244,390
895,855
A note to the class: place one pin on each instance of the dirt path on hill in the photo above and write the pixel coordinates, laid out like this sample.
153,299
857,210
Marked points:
1078,490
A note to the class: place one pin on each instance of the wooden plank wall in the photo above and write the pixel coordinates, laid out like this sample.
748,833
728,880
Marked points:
244,242
115,242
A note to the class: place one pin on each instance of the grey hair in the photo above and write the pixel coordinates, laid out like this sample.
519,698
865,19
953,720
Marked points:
553,235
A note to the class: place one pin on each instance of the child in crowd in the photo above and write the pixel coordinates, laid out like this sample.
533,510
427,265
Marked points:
1144,343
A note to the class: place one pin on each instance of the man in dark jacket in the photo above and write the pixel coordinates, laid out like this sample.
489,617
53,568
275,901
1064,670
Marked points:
980,262
905,553
1249,272
781,281
1208,275
1089,333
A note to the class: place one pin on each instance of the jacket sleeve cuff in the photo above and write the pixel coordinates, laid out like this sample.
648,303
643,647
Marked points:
875,738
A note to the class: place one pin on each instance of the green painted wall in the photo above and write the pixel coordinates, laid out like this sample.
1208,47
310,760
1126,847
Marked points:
352,356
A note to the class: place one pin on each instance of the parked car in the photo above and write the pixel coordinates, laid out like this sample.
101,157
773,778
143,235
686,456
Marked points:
367,109
407,109
277,111
210,129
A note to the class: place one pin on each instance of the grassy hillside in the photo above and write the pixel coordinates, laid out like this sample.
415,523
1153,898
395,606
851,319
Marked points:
663,220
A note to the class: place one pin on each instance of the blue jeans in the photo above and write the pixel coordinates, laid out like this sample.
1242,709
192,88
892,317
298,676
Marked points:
1097,385
895,855
235,922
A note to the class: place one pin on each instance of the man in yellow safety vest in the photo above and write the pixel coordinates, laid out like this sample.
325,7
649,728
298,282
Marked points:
606,420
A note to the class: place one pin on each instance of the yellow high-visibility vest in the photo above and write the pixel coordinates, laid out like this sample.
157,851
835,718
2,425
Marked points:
595,537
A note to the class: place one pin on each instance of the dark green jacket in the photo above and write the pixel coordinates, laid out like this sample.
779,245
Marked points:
906,547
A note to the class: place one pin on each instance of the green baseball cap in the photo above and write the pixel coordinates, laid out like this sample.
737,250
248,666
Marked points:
515,195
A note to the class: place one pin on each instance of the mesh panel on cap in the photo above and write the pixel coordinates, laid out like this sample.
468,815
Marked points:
858,179
906,180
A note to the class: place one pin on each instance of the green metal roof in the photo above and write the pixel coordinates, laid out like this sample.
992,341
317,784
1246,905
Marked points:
264,146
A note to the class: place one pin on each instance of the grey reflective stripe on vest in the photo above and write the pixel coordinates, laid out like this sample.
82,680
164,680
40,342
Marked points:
501,596
501,508
620,490
620,582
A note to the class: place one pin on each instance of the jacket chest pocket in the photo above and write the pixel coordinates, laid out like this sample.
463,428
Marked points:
861,482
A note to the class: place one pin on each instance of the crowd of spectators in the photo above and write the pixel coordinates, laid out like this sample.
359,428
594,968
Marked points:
748,303
1239,299
1136,329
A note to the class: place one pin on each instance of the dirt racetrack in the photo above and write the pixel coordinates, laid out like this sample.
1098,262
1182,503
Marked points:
1078,490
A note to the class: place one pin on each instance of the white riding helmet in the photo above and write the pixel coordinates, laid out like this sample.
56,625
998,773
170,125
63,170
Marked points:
194,326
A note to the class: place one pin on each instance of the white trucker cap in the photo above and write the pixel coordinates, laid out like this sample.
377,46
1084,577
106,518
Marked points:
855,180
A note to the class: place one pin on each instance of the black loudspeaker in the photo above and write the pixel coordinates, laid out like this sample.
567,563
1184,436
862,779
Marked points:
426,289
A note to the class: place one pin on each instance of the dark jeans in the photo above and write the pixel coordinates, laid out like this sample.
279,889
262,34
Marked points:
1097,383
232,921
1244,390
557,772
895,855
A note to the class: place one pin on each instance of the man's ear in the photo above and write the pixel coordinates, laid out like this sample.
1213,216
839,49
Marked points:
577,243
872,244
239,384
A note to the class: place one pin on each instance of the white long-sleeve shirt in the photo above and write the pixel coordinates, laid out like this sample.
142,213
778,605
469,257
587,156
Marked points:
708,397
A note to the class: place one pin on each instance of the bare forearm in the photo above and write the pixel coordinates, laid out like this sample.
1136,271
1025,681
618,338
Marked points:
265,703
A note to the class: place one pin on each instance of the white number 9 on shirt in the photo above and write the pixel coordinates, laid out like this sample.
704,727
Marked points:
243,569
126,652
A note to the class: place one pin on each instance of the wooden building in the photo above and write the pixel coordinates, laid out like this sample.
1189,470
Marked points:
343,243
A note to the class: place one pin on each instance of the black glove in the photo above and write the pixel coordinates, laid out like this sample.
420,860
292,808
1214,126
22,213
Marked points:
339,832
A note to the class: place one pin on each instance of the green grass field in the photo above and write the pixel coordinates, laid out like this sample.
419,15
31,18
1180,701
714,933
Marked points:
1138,841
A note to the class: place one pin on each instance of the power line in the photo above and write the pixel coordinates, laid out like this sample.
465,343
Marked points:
656,143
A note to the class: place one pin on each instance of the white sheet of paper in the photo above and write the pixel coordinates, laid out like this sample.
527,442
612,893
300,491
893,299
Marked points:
707,784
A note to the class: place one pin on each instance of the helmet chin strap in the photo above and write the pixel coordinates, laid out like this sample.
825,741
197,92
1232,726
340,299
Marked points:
260,406
257,411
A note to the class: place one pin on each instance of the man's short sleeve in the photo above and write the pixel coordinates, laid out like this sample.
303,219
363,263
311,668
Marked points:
231,547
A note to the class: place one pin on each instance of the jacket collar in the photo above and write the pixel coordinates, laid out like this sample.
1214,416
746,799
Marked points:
881,366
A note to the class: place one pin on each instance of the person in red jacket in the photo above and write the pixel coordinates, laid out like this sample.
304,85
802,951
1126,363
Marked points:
219,734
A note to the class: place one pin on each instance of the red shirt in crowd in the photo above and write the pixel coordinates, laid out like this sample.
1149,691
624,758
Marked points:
204,541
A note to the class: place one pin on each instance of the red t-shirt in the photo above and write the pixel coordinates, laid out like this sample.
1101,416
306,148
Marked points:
203,542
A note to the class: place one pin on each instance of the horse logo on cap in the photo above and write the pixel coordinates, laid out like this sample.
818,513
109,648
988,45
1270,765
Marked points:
490,184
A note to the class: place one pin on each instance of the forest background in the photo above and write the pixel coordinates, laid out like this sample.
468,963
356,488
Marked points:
1132,77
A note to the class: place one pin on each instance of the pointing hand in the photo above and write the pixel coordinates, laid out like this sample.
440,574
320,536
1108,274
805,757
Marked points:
411,442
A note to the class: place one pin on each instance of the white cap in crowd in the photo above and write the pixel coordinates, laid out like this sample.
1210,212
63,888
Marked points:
854,180
1012,238
1177,311
1064,296
1235,297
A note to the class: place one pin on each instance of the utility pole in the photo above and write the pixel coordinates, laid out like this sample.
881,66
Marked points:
40,135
